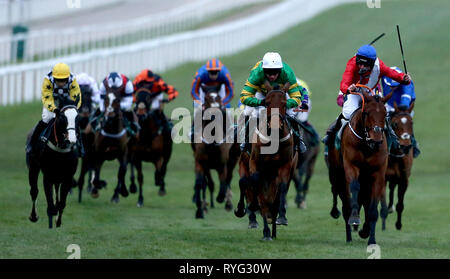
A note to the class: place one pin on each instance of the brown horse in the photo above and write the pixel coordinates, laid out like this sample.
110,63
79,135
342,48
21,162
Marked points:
153,145
213,152
111,143
265,177
357,171
399,164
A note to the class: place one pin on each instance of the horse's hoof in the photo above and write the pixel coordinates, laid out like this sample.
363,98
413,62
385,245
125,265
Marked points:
282,221
139,204
102,183
383,225
89,189
391,210
228,206
267,238
123,191
115,199
302,205
355,228
363,234
220,198
354,220
335,213
398,226
253,225
239,212
94,193
133,188
58,224
199,214
33,219
162,192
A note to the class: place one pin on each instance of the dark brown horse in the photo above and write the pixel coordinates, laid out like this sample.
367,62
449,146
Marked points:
57,160
357,171
399,164
111,142
265,176
153,144
213,151
305,167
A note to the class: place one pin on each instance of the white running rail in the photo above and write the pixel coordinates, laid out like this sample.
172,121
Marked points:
50,43
22,83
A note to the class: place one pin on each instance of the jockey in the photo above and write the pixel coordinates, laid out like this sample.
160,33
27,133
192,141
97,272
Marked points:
211,74
156,85
403,96
87,82
60,81
363,68
277,73
119,83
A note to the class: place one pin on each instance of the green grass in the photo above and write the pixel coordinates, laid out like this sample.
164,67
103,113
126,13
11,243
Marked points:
165,228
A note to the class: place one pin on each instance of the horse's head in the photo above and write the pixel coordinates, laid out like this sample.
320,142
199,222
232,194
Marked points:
276,99
374,115
143,100
112,104
402,124
66,122
86,105
212,97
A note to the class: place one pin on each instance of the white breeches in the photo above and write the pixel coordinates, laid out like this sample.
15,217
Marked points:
47,115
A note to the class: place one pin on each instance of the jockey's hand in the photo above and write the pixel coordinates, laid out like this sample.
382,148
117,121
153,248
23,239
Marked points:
304,107
340,100
407,79
351,88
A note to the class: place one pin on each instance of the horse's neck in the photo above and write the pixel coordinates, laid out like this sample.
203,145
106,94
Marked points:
356,122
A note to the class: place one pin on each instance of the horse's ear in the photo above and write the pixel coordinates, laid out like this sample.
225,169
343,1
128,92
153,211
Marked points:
267,85
387,97
396,107
411,107
286,87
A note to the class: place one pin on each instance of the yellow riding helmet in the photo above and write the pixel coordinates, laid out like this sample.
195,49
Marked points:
61,71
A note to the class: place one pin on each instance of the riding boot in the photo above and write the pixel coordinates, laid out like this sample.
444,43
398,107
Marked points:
415,144
40,127
391,137
246,145
298,141
333,129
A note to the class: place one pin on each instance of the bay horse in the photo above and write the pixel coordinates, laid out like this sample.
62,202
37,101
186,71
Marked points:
357,171
305,166
219,153
57,160
111,142
153,144
87,138
265,178
399,164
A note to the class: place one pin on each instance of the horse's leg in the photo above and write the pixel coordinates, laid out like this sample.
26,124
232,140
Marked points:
365,201
252,223
199,184
33,175
223,184
346,210
309,172
96,181
243,184
160,172
133,188
351,176
121,175
84,169
266,230
283,187
383,211
140,178
378,187
402,186
51,210
210,183
297,178
65,186
335,213
392,184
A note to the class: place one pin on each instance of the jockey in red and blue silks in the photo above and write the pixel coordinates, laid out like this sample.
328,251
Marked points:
213,73
403,96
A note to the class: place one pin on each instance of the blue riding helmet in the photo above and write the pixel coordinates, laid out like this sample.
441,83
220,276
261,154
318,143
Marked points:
367,51
390,82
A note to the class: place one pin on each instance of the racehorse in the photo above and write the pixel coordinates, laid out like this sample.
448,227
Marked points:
357,171
87,138
399,164
111,142
265,178
305,167
218,153
153,145
57,160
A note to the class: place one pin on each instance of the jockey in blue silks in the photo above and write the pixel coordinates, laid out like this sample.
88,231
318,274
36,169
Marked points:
403,96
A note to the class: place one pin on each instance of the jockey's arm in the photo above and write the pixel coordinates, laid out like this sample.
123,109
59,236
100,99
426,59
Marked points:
47,95
127,101
75,92
408,95
348,75
229,85
247,96
393,74
196,87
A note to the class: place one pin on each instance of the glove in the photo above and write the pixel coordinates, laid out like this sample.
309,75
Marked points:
406,79
171,97
340,100
304,105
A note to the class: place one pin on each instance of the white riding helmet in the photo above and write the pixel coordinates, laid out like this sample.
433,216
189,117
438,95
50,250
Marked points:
272,60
